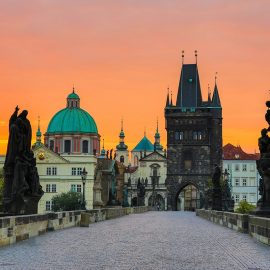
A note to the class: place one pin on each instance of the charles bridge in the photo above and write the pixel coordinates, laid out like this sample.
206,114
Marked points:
137,240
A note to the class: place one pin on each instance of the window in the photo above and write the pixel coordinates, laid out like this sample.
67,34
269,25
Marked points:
237,182
187,160
79,171
51,145
76,188
244,182
54,171
252,167
48,188
53,187
122,159
236,167
236,198
73,171
195,137
67,146
199,135
49,171
181,135
73,188
244,197
252,181
177,135
85,146
48,206
244,167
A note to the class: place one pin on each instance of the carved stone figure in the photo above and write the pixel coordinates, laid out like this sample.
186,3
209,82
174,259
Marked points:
22,189
140,193
217,193
263,166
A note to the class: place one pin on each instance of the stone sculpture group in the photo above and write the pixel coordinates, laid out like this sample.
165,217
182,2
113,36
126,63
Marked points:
22,189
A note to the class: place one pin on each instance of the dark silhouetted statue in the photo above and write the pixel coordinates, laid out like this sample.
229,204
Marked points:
263,166
140,193
217,193
22,190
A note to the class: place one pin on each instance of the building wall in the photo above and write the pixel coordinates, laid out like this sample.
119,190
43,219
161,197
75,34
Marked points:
244,180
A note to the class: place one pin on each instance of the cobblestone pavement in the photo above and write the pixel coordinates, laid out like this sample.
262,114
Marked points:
153,240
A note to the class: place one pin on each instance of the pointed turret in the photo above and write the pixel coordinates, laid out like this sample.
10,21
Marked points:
122,146
38,133
157,145
209,96
168,98
189,90
103,151
216,100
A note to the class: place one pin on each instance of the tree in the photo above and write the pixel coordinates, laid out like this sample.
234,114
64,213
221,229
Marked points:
67,201
245,207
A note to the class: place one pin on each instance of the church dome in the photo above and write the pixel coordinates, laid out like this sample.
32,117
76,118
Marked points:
144,145
75,120
72,119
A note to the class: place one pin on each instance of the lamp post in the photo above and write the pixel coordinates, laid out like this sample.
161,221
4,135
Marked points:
83,175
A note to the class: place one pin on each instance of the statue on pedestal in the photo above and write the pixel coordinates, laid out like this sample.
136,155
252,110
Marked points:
22,190
140,193
263,166
217,192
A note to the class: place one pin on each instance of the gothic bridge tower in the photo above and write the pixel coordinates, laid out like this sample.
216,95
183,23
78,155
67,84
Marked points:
194,137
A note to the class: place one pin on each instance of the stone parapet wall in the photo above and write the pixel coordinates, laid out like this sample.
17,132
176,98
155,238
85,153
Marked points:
257,227
17,228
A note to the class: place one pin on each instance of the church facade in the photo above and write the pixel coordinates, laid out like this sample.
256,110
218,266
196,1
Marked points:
194,137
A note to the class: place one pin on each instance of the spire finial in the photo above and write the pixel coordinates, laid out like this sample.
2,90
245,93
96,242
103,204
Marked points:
122,126
209,90
183,56
73,89
171,98
216,78
38,122
196,54
103,144
157,124
144,131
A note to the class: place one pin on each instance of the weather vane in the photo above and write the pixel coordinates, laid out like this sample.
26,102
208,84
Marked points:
183,55
196,54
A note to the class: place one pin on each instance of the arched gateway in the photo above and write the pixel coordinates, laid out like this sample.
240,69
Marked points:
194,138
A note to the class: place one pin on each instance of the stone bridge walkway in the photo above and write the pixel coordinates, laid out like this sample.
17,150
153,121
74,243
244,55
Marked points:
153,240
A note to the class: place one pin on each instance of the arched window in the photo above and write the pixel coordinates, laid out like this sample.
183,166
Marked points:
122,159
85,144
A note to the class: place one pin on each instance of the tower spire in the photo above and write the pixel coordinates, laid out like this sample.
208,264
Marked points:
171,99
122,146
157,145
183,56
215,99
196,54
38,133
168,97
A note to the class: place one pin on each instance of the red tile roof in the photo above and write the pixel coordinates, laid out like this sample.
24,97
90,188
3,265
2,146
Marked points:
236,153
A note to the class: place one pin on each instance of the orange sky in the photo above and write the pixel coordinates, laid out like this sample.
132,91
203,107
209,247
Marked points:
122,55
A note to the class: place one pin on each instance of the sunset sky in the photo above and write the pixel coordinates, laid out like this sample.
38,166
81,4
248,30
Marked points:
122,55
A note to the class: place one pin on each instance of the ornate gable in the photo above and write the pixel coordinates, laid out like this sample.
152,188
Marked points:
154,157
44,155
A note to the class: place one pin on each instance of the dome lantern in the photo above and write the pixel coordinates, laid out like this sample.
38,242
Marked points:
73,100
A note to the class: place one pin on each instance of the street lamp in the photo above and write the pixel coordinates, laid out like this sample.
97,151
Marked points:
83,175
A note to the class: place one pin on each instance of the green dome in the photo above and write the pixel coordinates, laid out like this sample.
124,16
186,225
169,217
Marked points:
72,120
144,145
73,95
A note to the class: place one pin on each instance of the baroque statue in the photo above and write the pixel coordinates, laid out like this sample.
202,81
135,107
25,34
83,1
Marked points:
22,190
217,192
263,166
